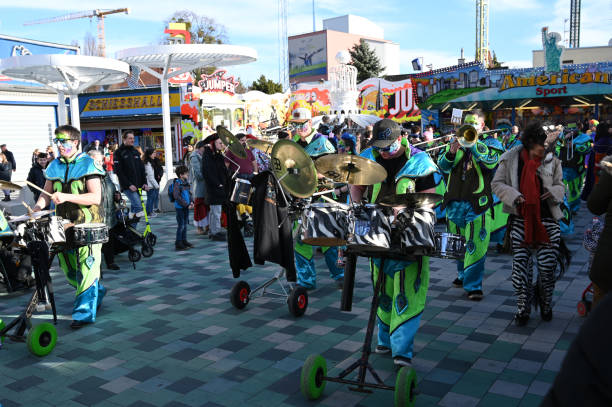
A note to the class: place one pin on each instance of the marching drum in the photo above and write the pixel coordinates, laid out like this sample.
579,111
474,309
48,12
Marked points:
449,246
371,230
415,228
49,229
242,192
325,224
90,233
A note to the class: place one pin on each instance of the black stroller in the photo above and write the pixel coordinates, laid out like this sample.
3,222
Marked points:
126,237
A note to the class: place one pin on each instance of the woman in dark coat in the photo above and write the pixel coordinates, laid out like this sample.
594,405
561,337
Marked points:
216,176
600,202
5,174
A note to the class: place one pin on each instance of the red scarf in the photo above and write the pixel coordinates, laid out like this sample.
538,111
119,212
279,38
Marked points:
535,232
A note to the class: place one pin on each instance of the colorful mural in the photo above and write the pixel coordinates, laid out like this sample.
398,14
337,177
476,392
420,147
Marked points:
385,99
313,97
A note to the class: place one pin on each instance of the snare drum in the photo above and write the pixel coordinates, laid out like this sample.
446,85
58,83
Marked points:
242,192
371,230
416,230
449,246
49,229
325,224
90,233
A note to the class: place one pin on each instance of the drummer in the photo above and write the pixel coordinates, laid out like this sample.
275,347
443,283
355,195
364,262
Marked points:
74,180
304,253
400,308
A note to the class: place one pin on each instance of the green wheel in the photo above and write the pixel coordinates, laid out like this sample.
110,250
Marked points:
405,387
42,339
312,383
2,326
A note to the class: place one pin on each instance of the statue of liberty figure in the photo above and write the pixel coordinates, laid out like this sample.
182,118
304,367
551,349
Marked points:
552,51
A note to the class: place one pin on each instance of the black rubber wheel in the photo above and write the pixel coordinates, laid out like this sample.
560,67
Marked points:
146,250
311,378
405,387
298,301
134,256
150,239
239,296
582,308
42,339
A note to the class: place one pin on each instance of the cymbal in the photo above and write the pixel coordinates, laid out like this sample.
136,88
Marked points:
411,199
294,168
351,169
10,185
232,143
33,215
262,145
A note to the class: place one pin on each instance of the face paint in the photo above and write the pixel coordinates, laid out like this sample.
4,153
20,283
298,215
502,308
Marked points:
392,149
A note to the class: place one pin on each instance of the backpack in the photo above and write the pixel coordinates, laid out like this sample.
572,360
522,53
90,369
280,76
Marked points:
171,190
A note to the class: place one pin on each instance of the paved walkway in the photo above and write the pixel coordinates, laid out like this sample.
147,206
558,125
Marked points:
168,335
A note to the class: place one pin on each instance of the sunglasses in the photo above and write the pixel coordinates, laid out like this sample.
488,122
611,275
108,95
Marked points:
299,126
390,148
64,142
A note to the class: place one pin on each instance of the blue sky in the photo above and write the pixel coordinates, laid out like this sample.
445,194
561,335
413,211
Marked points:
433,29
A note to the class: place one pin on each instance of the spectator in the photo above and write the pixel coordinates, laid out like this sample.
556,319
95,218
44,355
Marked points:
186,157
600,202
217,181
200,210
130,170
153,192
246,166
182,203
531,188
95,146
36,175
10,158
158,172
35,155
5,175
50,154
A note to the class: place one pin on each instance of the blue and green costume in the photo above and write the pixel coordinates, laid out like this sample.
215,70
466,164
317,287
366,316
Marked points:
405,284
467,200
573,156
499,219
81,265
304,253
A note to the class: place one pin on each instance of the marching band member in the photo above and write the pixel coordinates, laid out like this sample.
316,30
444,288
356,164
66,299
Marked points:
499,219
304,253
400,308
74,180
467,200
572,152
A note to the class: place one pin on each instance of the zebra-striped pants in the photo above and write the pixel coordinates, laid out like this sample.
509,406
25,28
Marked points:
522,273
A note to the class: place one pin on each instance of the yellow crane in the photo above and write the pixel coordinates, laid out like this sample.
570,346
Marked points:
100,14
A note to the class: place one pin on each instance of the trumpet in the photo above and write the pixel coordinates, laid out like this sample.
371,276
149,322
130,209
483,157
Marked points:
467,136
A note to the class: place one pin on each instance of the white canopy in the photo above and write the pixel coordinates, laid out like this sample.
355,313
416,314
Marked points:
176,59
65,74
362,120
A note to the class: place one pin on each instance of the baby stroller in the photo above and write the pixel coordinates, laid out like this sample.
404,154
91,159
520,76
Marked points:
126,236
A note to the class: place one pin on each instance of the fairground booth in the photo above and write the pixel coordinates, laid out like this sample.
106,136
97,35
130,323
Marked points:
572,93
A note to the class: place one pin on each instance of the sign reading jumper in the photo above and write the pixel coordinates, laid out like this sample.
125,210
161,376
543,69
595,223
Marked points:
217,82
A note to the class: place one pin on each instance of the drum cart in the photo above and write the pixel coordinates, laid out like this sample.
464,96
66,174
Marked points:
295,296
314,371
40,338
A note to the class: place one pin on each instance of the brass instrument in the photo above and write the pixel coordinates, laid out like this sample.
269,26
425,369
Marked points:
467,136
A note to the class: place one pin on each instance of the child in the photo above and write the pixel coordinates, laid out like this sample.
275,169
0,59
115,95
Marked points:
183,202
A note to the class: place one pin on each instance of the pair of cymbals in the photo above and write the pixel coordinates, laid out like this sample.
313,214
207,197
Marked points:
294,168
10,185
261,145
351,169
411,200
232,142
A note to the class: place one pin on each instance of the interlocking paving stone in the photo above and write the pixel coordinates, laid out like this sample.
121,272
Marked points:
159,343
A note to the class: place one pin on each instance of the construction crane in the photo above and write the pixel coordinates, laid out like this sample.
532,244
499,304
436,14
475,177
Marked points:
482,32
100,14
574,41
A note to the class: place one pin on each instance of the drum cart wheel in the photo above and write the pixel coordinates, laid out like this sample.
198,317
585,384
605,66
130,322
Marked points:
134,255
298,301
146,250
239,296
311,378
42,339
405,387
584,305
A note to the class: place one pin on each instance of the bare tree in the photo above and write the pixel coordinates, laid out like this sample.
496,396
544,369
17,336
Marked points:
90,46
203,29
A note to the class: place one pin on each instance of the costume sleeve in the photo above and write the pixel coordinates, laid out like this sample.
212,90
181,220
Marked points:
446,162
557,189
484,155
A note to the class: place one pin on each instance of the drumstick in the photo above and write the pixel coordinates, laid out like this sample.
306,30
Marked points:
606,163
38,188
